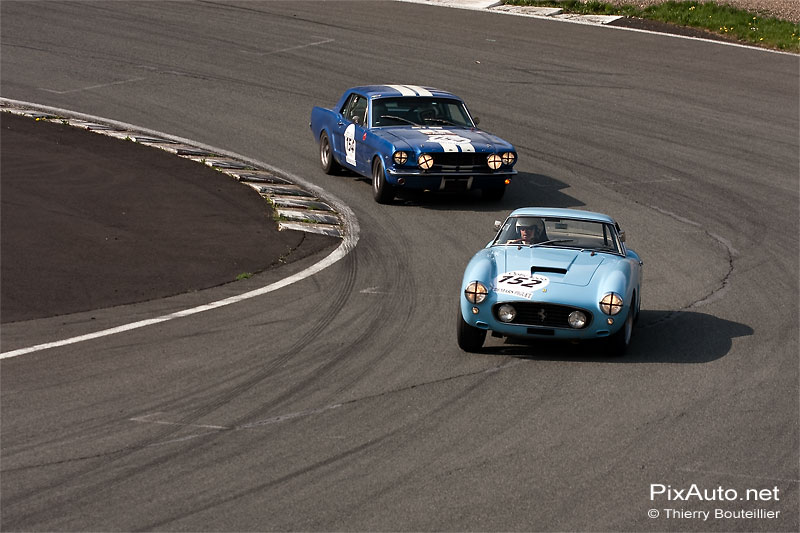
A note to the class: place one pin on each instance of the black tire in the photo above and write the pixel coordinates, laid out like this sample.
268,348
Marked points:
326,159
381,191
470,339
494,194
618,343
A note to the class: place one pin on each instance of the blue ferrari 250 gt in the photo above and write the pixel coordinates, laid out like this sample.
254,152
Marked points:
552,273
411,137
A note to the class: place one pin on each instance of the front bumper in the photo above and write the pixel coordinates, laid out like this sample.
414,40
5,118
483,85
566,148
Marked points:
597,328
441,181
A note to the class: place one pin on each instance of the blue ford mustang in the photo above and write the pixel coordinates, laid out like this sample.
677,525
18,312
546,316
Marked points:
406,136
557,273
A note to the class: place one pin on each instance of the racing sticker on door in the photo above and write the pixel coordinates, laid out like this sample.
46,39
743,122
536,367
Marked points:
350,144
520,283
449,141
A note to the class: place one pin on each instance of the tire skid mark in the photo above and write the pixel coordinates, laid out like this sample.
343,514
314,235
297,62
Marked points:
379,314
717,293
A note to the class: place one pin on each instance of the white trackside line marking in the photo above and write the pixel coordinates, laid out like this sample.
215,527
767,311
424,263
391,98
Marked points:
290,416
331,259
487,6
147,419
91,86
349,241
419,90
402,89
298,47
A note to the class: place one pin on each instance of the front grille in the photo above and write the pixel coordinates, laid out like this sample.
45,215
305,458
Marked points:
460,162
543,314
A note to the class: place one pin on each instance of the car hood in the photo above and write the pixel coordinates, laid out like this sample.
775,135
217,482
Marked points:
559,265
444,139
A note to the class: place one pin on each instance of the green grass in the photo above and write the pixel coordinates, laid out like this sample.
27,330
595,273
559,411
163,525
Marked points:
736,24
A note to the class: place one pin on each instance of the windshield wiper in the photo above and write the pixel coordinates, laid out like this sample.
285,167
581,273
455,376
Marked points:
441,121
401,119
554,241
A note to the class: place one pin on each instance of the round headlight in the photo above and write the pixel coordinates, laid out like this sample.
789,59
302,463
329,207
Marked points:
611,304
508,158
475,292
400,158
506,313
494,161
577,319
425,161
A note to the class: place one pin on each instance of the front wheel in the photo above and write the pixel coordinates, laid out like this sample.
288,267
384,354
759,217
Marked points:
381,191
618,343
470,338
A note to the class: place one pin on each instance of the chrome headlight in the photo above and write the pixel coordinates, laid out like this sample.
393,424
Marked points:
577,319
611,303
508,158
400,158
494,161
475,292
506,313
425,161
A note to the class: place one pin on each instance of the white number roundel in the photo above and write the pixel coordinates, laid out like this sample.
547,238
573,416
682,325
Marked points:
520,283
350,144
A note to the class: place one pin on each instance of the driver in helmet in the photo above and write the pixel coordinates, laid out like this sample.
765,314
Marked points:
530,230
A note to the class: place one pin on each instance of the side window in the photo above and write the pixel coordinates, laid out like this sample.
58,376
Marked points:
355,109
359,114
348,106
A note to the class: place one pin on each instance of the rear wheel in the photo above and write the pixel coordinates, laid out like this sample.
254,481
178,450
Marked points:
326,159
381,191
470,339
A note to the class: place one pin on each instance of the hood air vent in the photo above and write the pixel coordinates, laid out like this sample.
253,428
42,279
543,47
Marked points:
552,270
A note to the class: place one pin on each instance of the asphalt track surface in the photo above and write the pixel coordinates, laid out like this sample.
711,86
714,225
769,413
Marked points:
341,402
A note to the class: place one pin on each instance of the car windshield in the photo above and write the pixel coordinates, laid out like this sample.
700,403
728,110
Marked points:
559,232
420,111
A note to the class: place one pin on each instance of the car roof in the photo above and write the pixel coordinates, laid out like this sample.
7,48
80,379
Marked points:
392,91
561,213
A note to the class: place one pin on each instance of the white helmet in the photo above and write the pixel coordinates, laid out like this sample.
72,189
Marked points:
527,222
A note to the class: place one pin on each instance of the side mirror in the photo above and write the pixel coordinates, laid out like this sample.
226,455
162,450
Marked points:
476,120
357,119
497,225
622,236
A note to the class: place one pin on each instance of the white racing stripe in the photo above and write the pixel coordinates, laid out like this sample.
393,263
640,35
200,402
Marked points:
349,240
449,147
421,91
402,89
411,90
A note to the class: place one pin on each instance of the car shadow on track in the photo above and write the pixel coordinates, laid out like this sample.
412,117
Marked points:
526,189
659,337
